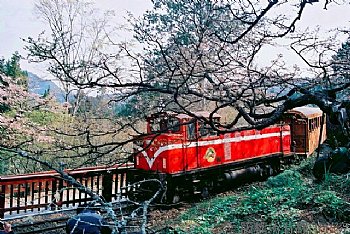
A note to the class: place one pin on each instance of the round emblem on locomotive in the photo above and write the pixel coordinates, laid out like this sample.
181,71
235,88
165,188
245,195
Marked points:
210,154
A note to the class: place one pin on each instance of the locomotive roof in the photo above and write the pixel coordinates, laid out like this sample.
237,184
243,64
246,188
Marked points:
306,112
204,114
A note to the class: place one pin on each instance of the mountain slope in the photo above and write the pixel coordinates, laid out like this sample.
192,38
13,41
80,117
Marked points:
39,86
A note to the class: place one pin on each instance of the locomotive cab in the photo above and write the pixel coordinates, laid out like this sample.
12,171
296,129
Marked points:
171,142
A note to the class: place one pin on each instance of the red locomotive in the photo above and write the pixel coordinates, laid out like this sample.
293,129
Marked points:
190,158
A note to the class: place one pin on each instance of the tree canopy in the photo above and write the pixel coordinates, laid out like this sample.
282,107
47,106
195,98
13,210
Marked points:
195,55
12,68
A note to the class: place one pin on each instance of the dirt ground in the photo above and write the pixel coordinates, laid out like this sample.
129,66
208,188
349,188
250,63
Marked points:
161,219
158,220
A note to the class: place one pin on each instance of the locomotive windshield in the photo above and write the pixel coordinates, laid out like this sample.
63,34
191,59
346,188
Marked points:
165,124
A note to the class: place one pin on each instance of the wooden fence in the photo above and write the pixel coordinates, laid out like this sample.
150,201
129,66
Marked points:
30,193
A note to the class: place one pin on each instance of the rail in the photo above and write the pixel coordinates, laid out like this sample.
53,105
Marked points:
33,193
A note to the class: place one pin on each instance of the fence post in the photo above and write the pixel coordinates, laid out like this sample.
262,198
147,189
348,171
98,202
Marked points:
107,182
2,199
57,193
60,189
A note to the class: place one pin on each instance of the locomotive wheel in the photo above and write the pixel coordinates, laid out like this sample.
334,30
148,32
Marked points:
172,192
175,197
202,187
172,195
205,192
143,192
207,188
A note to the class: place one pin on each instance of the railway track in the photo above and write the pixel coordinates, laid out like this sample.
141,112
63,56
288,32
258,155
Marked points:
54,223
52,226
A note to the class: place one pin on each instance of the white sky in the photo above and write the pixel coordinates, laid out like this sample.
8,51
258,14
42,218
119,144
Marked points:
17,21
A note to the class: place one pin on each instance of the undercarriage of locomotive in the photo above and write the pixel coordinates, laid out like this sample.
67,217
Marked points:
201,183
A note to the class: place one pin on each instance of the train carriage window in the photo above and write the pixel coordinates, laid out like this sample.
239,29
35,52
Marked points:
216,122
163,125
312,124
315,124
319,121
212,132
310,129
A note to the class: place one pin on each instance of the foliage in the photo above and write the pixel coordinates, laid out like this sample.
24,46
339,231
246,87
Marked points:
12,68
44,128
41,117
183,51
339,135
287,178
280,203
4,108
74,47
340,63
4,161
136,105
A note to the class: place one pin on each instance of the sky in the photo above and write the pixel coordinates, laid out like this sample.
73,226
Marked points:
17,20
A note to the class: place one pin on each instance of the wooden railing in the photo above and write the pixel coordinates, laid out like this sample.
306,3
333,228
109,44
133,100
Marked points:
30,193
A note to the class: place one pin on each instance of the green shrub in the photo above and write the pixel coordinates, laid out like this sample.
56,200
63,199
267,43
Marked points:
305,167
11,113
331,205
4,161
287,178
41,117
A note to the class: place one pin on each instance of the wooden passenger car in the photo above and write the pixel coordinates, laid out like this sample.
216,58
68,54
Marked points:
305,124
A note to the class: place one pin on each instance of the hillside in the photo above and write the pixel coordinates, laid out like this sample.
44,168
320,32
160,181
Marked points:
38,86
291,202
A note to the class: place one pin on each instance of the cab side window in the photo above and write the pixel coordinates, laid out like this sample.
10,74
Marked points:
191,131
203,130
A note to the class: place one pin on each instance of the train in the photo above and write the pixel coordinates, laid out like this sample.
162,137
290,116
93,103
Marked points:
191,159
